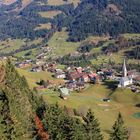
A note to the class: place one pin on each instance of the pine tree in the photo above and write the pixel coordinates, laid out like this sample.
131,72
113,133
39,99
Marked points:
61,126
92,127
6,123
119,131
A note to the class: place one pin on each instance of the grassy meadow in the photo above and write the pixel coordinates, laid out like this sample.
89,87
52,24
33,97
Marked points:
50,14
60,46
43,26
92,97
10,45
33,77
62,2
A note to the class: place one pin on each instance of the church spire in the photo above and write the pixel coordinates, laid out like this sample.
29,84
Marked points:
124,71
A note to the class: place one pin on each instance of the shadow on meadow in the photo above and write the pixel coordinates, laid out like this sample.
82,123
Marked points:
112,85
138,105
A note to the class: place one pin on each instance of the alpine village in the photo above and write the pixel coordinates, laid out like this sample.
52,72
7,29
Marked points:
69,69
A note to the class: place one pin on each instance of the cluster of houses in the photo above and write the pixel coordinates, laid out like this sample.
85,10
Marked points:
76,78
24,64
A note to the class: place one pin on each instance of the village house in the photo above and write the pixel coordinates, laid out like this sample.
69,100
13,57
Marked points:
23,65
85,78
64,93
36,69
40,62
77,85
133,73
80,85
137,80
52,67
79,69
73,76
71,86
60,75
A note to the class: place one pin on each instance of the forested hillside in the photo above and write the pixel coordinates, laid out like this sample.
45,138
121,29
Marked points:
21,23
18,105
103,17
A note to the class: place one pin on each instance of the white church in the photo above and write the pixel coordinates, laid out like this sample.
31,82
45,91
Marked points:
125,80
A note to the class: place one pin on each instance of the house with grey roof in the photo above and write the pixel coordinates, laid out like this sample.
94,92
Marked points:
64,92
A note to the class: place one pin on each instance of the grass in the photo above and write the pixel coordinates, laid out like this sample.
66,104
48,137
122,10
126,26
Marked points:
23,53
121,100
35,42
56,2
33,77
50,14
62,2
11,45
132,36
43,26
60,45
116,57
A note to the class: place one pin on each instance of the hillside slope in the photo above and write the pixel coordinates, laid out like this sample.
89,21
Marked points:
98,17
18,105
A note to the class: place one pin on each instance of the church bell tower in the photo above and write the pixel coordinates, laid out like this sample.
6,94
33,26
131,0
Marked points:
124,71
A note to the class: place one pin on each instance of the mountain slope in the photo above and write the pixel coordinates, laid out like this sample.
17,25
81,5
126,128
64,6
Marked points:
98,17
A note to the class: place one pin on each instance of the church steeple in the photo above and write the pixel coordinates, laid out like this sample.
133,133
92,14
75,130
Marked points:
124,71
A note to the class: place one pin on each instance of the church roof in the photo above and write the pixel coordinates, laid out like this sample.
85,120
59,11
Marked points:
125,79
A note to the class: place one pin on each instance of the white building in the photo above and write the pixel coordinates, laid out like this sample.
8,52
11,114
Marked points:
60,75
125,80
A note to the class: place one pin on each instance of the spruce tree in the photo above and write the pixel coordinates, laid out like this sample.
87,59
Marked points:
92,127
119,131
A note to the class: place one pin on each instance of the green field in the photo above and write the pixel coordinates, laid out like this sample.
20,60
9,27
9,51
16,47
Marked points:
33,77
122,100
50,14
60,46
62,2
10,45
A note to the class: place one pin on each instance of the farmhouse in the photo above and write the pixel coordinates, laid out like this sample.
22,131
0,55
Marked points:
74,76
71,86
137,80
36,69
23,65
60,75
64,93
